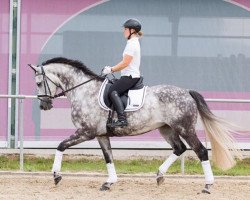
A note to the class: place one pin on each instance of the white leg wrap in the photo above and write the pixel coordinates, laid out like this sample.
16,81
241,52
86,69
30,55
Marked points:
209,177
57,161
112,173
171,159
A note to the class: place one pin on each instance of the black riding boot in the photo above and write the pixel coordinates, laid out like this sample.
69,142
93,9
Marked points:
119,108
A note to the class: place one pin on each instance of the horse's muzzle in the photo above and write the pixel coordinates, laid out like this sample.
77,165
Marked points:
46,104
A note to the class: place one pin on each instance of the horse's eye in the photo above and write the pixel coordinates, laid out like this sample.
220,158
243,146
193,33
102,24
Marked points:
38,84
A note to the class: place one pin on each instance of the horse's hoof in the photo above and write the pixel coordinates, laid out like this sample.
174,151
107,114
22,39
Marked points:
57,178
106,186
160,179
206,189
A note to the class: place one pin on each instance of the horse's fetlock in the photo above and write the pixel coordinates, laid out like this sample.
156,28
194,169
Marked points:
61,147
112,180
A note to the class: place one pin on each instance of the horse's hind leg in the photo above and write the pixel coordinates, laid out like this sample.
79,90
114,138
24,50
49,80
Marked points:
80,136
195,144
178,148
107,152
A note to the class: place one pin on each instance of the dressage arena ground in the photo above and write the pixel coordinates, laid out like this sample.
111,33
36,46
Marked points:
142,187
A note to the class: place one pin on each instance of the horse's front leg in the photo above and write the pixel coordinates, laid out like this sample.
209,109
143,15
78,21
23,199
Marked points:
80,136
107,152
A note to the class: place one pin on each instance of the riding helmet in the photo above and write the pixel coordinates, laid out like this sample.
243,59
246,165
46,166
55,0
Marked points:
133,24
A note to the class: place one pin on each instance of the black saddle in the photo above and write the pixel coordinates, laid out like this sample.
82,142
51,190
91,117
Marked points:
124,97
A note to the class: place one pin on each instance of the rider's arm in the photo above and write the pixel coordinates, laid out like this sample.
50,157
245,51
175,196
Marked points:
123,64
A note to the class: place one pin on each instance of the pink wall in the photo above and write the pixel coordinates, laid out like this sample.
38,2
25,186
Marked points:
4,51
241,3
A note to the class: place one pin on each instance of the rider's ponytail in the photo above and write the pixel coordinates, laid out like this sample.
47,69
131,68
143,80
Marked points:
140,33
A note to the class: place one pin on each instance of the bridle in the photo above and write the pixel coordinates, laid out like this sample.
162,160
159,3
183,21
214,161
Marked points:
46,85
47,89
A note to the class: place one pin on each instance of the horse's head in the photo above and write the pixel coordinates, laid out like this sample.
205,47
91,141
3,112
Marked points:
47,84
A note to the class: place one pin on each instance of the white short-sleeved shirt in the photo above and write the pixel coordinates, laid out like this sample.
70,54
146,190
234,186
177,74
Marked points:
132,49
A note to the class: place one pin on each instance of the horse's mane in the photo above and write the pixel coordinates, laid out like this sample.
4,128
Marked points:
74,63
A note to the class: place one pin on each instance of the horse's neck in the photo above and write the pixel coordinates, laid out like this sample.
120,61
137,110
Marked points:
71,77
68,76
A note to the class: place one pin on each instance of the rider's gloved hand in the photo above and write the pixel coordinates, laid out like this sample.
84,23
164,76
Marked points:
106,70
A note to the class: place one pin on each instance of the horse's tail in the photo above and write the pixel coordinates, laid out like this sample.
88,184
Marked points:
219,131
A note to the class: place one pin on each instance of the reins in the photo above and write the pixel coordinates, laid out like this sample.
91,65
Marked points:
65,91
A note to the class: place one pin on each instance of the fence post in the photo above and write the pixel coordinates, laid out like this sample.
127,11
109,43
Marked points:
183,164
21,134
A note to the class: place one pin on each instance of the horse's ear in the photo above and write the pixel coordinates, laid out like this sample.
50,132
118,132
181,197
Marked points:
33,67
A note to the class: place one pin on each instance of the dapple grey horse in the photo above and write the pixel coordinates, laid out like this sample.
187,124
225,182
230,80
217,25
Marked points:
170,109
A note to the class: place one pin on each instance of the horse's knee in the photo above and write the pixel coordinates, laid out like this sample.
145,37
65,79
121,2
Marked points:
61,146
80,135
180,149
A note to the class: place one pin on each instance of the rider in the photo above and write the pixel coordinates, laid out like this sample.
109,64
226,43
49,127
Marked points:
129,67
